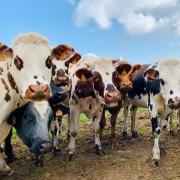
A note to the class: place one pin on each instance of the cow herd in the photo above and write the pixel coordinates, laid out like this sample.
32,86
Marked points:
40,84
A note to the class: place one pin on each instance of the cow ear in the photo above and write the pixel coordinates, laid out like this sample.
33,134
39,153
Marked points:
62,52
114,61
151,74
136,68
5,52
84,74
123,67
73,60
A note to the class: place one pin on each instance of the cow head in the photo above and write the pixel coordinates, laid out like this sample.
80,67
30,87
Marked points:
166,75
123,75
102,69
27,69
64,58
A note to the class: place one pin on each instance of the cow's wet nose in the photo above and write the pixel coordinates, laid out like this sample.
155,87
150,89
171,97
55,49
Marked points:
38,91
174,103
113,96
45,147
126,86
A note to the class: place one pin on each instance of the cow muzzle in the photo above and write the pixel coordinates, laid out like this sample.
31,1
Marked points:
38,92
112,99
61,81
174,103
126,86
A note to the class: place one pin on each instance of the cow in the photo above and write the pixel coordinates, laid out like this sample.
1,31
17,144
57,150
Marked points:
163,79
32,123
92,88
122,78
65,58
25,74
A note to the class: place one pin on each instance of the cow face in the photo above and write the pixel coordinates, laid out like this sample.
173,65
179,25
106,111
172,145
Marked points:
28,72
167,75
31,122
64,58
124,74
104,86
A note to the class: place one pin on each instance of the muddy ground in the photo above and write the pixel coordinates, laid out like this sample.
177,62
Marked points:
129,160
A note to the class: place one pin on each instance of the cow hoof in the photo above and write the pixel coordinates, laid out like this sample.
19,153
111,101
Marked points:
39,160
135,134
11,158
156,162
171,133
8,172
124,135
71,156
57,152
99,151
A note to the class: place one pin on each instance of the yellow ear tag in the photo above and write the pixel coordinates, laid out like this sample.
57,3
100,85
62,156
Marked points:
83,77
124,72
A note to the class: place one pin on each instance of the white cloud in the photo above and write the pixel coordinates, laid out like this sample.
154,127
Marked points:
137,16
72,2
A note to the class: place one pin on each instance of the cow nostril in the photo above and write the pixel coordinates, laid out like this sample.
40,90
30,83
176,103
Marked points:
109,95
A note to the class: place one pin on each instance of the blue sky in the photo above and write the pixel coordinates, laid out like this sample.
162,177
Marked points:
92,26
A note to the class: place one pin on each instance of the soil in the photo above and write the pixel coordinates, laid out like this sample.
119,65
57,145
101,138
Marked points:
128,160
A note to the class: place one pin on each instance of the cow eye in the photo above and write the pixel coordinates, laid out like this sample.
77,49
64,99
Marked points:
18,62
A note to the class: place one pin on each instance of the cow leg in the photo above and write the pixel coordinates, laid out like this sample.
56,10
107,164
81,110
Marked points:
133,122
114,114
96,127
102,124
125,114
4,168
8,148
56,134
169,124
73,129
178,121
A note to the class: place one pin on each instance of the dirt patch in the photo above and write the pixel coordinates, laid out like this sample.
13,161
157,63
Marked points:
129,160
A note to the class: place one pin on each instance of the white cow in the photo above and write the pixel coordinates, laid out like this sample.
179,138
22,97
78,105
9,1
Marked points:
25,74
163,80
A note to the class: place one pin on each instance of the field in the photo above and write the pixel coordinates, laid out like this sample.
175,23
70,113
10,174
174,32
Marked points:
129,160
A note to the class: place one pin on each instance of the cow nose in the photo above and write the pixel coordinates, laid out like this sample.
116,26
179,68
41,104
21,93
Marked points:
38,91
174,103
41,87
46,147
115,95
126,86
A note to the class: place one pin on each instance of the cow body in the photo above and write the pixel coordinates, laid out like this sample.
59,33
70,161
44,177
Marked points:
24,76
163,78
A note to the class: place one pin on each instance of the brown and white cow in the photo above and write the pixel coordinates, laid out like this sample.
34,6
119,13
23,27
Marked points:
92,88
163,80
25,74
122,78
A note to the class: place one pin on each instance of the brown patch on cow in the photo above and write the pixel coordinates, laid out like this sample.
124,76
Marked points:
5,52
53,69
151,74
84,74
18,63
85,89
123,67
12,83
48,62
98,83
62,52
7,97
114,61
1,70
73,60
136,68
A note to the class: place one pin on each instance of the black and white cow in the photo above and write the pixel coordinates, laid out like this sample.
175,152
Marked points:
163,81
